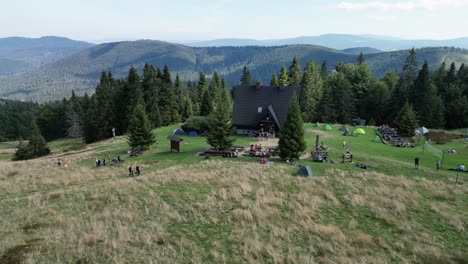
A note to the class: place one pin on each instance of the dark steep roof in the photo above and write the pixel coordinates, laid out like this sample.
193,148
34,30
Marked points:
247,99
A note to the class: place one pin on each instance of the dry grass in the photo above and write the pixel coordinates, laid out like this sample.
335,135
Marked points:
225,211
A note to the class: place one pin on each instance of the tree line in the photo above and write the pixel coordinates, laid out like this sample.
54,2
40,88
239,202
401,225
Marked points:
415,96
438,99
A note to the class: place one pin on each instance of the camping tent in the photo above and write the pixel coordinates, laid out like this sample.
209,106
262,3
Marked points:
422,131
376,139
193,134
178,131
358,131
327,127
304,171
345,129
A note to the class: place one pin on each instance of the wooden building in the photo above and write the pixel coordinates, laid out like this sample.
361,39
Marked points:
261,109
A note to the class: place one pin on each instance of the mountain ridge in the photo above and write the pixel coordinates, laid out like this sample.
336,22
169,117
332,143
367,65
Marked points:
81,71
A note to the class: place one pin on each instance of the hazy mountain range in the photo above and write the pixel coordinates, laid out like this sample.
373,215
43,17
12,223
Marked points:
80,70
18,54
339,41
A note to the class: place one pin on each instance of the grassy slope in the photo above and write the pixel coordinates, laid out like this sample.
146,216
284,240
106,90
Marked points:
186,208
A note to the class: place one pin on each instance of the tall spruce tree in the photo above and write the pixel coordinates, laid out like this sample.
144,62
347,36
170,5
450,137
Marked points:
295,72
402,92
219,131
406,121
73,120
427,104
343,97
89,119
104,99
324,70
246,77
311,91
36,147
291,136
168,102
360,59
283,77
139,129
274,80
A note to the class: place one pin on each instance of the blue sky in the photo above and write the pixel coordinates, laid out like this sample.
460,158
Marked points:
187,20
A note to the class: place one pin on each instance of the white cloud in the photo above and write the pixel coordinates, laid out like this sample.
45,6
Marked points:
384,18
402,5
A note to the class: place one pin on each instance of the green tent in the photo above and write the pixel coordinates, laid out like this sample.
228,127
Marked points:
376,139
327,127
359,131
304,171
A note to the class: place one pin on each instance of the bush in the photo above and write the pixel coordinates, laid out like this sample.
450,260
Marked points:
195,124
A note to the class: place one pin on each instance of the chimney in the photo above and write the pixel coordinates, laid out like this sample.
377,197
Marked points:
258,85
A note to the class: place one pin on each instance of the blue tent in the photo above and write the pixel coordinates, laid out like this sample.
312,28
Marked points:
178,131
193,134
304,171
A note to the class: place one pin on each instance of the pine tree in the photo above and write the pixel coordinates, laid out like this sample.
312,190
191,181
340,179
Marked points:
311,91
36,147
274,80
104,105
343,97
73,120
427,103
283,77
90,125
139,129
324,70
402,92
291,136
246,78
360,59
219,131
406,121
168,102
204,100
295,72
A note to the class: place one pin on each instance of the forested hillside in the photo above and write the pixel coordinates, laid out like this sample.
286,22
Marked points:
18,54
81,71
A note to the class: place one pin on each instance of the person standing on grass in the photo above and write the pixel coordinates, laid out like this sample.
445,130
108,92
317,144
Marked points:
438,165
344,143
137,169
130,170
416,162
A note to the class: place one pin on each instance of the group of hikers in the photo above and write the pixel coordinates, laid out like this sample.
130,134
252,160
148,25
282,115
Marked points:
438,165
61,163
100,163
137,170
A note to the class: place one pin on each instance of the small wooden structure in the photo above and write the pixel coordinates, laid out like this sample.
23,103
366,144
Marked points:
175,142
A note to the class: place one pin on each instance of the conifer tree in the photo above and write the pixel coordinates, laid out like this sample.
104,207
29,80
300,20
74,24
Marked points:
246,78
73,120
360,59
89,120
406,121
283,77
311,91
295,72
36,147
427,103
274,80
139,129
204,100
104,105
218,134
291,136
343,97
168,102
324,70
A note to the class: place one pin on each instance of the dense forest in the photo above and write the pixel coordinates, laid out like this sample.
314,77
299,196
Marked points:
435,98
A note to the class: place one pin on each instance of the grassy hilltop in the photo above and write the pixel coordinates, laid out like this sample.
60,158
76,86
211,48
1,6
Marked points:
184,208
